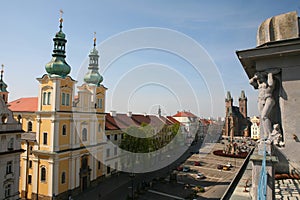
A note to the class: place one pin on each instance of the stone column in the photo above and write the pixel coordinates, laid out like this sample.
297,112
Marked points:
256,169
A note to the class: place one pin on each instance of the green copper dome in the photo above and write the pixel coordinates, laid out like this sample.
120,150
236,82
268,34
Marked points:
93,76
58,66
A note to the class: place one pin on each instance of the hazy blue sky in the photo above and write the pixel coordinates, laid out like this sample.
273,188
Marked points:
140,80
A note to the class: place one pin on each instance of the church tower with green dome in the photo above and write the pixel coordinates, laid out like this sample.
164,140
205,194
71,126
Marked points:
58,66
57,86
92,88
93,76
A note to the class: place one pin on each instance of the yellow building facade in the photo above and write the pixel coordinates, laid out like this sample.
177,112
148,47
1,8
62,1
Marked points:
63,142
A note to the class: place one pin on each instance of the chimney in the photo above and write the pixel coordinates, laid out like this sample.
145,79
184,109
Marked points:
129,113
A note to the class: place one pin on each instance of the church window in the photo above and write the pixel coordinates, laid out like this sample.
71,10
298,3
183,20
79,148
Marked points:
43,174
64,130
29,126
100,103
67,99
29,179
63,177
44,98
45,138
63,98
9,167
48,98
84,134
7,190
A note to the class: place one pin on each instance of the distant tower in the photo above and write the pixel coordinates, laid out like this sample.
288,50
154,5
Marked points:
243,104
159,111
3,86
228,103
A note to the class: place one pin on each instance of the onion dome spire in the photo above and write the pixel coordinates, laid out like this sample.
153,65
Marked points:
93,76
3,85
58,66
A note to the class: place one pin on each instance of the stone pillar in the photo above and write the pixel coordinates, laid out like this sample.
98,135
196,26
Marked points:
256,160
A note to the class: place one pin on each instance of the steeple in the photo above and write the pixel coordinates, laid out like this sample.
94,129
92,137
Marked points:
243,104
3,86
159,111
58,66
243,96
93,76
228,97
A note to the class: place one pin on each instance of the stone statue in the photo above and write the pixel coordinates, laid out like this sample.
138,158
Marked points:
276,136
264,82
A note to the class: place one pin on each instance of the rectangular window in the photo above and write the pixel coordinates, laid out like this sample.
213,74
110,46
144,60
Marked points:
108,137
48,98
108,169
44,98
30,163
100,103
7,190
45,138
67,99
9,167
107,153
29,179
99,165
63,98
116,136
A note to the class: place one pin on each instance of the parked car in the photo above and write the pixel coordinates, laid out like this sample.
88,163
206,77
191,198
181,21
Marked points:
220,167
229,165
186,169
179,168
226,168
197,163
200,176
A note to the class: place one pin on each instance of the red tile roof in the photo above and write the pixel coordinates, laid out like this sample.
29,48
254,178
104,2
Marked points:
184,114
26,104
123,121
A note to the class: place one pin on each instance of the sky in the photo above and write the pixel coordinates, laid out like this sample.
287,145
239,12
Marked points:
173,54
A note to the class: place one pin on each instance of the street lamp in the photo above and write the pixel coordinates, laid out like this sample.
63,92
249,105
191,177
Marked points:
132,175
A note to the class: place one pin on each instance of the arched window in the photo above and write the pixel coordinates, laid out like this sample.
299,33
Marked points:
43,174
67,99
64,130
63,177
44,98
29,126
63,98
84,134
49,98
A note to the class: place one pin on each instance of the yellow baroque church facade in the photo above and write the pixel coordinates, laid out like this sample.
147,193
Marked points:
63,139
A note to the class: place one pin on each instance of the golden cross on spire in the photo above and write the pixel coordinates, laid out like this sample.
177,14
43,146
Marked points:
94,38
61,12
